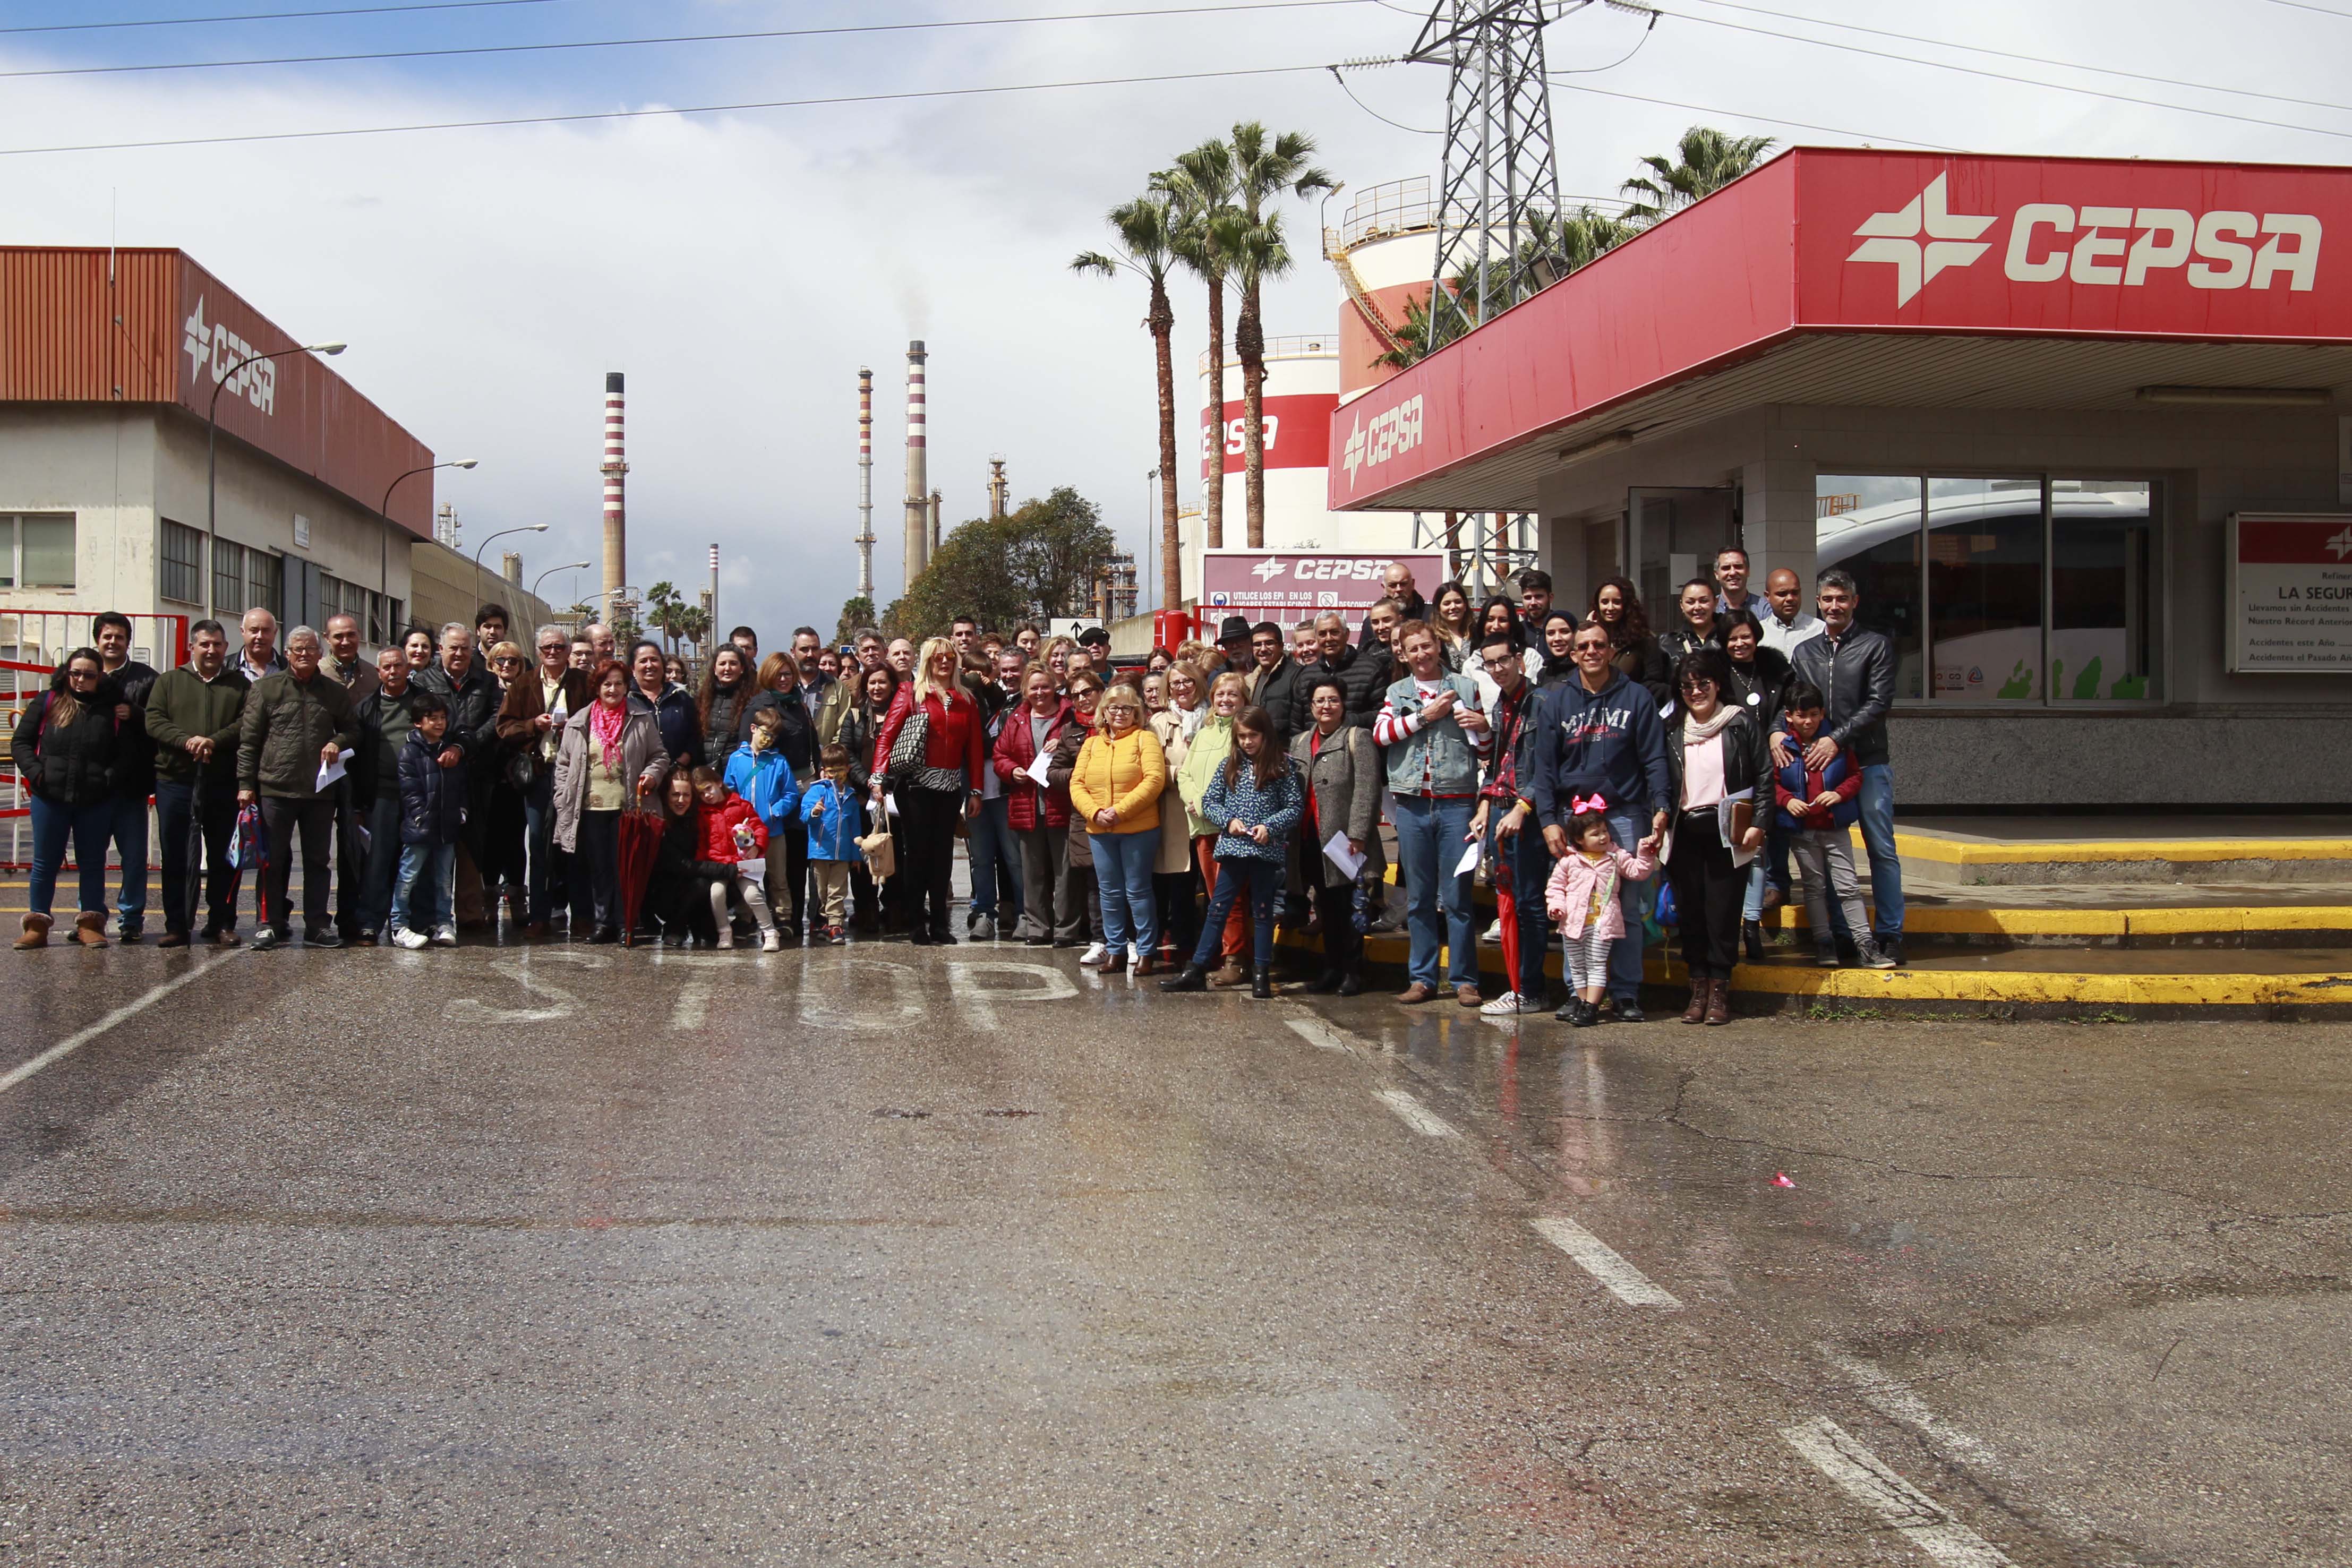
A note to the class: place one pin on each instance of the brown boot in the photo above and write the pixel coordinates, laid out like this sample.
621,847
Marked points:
90,928
1700,991
37,931
1229,974
1718,1002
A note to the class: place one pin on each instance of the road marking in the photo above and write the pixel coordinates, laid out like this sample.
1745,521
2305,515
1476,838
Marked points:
132,1009
1600,1260
1416,1115
693,1004
561,1004
962,979
1323,1037
1893,1398
1910,1512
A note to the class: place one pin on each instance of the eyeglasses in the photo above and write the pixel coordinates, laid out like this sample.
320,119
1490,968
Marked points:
1701,685
81,674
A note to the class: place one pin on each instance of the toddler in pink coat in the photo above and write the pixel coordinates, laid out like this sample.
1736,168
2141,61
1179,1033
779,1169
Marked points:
1582,896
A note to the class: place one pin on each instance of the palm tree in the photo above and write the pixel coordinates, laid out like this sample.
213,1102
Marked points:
1267,167
1201,185
1146,236
662,609
1706,161
1578,240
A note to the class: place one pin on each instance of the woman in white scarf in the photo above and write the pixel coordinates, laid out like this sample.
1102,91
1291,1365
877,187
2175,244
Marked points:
1721,769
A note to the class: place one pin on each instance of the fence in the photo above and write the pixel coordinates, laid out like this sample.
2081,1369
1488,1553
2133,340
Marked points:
33,643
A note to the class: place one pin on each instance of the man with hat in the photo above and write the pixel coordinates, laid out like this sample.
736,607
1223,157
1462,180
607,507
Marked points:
1234,643
1095,644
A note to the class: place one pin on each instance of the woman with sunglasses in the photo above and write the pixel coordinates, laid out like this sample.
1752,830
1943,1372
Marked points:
67,751
1719,767
502,859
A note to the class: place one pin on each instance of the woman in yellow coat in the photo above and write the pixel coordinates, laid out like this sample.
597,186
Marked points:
1116,788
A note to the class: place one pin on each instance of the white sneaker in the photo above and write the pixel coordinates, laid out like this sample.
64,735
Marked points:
1493,935
1094,955
445,937
770,942
412,940
726,937
984,929
1503,1006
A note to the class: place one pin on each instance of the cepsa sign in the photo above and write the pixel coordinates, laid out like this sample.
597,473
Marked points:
1291,585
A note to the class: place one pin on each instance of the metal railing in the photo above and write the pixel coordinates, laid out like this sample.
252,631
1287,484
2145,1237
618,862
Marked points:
1303,346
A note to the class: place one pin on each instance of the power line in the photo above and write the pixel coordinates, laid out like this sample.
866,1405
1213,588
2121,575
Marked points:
680,39
1743,114
2009,53
649,113
2023,81
274,15
2303,5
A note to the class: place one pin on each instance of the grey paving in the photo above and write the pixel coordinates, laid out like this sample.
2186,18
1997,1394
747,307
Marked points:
560,1255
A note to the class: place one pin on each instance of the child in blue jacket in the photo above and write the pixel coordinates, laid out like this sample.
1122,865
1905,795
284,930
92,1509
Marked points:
1817,809
762,775
836,814
431,819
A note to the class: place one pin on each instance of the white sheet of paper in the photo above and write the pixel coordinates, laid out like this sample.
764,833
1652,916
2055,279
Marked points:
1336,850
1469,859
1037,769
890,804
755,872
331,771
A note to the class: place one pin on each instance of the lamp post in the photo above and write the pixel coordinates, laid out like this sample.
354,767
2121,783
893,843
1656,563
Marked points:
550,571
383,574
525,529
212,467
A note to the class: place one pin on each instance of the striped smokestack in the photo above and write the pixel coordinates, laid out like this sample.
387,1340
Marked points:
865,483
616,527
918,530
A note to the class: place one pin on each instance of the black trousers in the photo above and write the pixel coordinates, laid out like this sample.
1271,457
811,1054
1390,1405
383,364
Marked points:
280,817
196,823
1708,889
1343,945
596,871
927,818
350,861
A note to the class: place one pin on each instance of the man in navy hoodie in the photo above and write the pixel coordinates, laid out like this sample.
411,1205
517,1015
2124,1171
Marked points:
1600,735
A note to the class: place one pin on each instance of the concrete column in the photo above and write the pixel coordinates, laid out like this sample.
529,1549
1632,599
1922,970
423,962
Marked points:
1776,516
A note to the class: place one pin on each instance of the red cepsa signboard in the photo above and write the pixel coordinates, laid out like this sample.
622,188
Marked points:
1288,585
1295,429
1835,240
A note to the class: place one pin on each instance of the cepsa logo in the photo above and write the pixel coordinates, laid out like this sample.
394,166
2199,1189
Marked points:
1322,568
1385,435
2096,246
217,347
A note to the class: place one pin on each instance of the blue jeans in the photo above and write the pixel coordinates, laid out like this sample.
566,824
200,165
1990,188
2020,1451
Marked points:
427,894
1525,860
995,862
128,833
380,874
537,844
1430,835
89,828
1264,879
1626,830
1123,863
1885,866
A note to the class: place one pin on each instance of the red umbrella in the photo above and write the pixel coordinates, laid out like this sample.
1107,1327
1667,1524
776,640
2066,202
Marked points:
641,836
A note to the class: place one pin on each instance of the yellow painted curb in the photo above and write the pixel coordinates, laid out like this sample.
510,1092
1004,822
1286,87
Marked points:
1955,852
2212,920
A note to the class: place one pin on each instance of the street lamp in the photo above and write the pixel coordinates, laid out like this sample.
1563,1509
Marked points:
384,586
550,571
212,467
525,529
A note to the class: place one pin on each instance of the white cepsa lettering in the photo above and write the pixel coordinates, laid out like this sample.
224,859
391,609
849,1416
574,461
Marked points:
1360,570
1236,435
2105,253
1397,430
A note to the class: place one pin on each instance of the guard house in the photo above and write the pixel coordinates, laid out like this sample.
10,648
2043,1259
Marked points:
2080,428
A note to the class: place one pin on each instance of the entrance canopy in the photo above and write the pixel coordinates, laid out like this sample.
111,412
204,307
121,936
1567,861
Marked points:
1852,277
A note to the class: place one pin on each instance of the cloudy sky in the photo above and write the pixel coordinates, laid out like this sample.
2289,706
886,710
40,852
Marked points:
741,266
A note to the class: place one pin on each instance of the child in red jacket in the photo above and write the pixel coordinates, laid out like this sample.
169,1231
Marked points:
734,850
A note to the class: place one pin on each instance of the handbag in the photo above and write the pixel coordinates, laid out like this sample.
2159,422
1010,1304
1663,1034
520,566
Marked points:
881,855
909,750
522,769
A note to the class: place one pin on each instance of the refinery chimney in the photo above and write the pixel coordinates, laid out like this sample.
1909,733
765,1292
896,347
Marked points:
865,484
918,532
996,497
616,527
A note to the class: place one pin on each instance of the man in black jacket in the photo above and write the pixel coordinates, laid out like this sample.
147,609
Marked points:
1273,679
134,778
459,679
1396,583
1855,669
1364,673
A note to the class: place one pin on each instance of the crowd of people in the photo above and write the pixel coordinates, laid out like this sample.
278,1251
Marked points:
1172,815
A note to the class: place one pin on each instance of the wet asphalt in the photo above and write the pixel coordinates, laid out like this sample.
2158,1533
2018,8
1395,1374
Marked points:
884,1255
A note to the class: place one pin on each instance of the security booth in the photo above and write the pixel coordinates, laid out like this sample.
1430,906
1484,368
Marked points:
2080,429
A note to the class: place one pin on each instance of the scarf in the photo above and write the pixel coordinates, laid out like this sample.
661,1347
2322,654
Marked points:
1188,720
606,722
1694,731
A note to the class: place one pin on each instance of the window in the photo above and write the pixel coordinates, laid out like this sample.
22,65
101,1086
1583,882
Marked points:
228,577
331,598
2034,589
265,583
1869,525
182,578
37,552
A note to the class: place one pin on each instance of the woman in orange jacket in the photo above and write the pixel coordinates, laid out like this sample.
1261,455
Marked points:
1116,788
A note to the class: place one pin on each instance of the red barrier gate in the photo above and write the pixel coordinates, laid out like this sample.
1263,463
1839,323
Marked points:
33,643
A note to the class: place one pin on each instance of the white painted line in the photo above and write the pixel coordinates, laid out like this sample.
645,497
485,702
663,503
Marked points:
1893,1398
1323,1036
130,1009
1416,1115
693,1006
1050,985
1600,1260
1908,1511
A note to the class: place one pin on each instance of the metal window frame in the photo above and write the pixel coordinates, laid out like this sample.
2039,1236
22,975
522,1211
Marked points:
164,560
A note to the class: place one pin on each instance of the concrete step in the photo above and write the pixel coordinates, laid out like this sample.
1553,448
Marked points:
1987,852
2114,915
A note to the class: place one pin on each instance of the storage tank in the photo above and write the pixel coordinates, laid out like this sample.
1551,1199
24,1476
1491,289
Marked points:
1383,251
